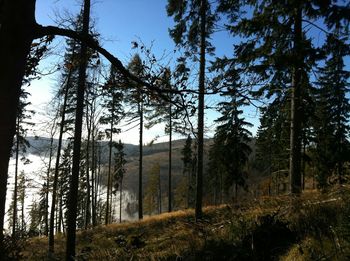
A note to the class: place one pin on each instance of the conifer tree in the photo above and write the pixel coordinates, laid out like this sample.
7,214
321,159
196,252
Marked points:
153,193
188,171
332,111
119,172
112,117
276,44
20,147
137,98
161,111
194,25
74,182
231,139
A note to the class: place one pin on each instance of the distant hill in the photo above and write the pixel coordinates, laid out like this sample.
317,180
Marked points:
155,153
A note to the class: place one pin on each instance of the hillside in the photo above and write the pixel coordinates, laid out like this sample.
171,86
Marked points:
312,227
155,153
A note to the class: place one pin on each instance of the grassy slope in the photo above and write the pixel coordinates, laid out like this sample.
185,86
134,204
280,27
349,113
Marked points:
313,227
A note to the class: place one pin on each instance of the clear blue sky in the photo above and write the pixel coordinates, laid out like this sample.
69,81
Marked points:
120,22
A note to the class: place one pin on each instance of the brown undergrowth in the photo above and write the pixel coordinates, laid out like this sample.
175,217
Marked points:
315,225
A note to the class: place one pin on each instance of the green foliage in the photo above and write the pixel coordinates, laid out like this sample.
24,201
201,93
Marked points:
332,113
189,170
119,166
113,102
230,152
153,193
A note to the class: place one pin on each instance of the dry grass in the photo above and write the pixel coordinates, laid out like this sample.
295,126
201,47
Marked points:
176,235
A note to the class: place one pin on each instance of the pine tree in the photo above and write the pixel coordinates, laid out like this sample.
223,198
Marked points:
119,172
232,136
277,46
333,110
188,171
194,25
67,92
137,98
153,193
74,182
161,111
20,147
112,117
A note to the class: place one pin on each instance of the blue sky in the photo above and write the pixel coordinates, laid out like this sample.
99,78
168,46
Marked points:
120,22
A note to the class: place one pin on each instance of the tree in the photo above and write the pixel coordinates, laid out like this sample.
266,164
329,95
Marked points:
112,116
137,97
165,112
276,42
332,111
21,145
153,193
194,24
231,140
73,191
17,33
66,120
188,170
119,172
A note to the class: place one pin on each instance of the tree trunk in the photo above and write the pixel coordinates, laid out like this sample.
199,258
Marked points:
120,200
73,192
159,194
57,165
108,212
198,210
295,127
93,179
14,213
140,158
98,181
170,156
17,20
46,217
88,203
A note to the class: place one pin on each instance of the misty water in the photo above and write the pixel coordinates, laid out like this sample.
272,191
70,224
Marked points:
35,176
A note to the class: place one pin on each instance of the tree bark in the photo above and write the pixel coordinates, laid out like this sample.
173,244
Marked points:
108,212
295,126
120,200
140,158
200,136
170,156
57,164
93,178
17,21
88,202
14,213
47,187
73,192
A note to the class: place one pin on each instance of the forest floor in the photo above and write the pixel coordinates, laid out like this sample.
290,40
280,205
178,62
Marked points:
315,226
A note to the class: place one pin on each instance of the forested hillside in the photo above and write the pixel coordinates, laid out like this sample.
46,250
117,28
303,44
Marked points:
238,111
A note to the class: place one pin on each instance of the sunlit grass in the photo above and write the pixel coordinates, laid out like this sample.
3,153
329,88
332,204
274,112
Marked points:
177,235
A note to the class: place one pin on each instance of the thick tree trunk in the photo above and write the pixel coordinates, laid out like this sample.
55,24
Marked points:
17,21
295,127
73,192
198,210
